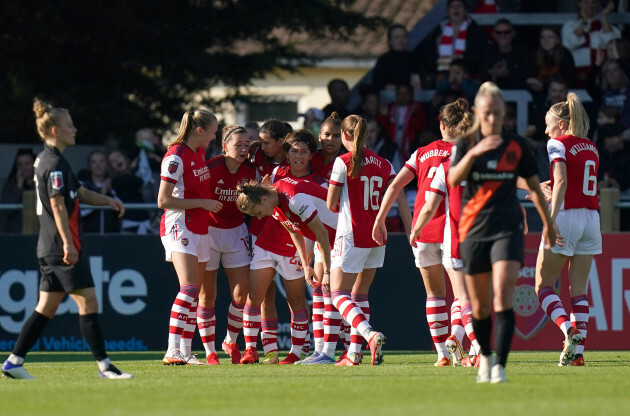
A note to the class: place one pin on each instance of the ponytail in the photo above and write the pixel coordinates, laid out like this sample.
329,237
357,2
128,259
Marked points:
46,117
573,113
356,127
191,120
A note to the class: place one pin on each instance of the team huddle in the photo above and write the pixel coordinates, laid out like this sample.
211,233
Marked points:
318,218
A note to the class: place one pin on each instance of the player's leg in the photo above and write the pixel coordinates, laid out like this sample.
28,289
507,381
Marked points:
458,284
360,292
269,327
579,269
294,289
548,268
206,316
238,279
259,281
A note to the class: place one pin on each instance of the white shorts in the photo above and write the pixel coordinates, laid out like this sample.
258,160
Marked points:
229,247
353,259
451,263
184,241
581,232
427,254
290,268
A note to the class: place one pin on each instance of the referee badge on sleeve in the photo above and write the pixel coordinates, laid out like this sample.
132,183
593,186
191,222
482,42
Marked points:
56,179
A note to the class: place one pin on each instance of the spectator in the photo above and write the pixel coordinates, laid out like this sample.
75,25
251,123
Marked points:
378,141
252,131
615,89
585,35
614,158
128,188
96,178
505,64
313,118
398,65
619,48
339,97
146,164
614,165
403,121
607,114
20,179
458,36
370,102
551,58
556,92
458,83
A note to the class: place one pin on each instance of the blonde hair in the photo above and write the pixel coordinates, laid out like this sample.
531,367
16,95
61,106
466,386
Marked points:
356,127
572,112
490,90
47,117
191,120
250,195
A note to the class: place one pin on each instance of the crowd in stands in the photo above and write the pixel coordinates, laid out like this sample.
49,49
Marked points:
587,53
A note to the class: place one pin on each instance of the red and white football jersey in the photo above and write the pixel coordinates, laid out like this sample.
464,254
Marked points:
274,237
300,202
424,163
453,206
188,171
318,166
223,189
361,197
582,162
264,168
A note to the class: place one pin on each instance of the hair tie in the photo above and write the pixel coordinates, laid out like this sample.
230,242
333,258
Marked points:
236,130
558,117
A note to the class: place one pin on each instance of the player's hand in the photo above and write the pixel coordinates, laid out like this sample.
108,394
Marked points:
211,205
70,254
326,282
415,233
486,144
379,233
550,237
117,206
311,277
546,189
266,180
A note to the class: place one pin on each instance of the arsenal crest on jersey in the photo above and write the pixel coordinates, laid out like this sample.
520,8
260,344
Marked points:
172,166
56,179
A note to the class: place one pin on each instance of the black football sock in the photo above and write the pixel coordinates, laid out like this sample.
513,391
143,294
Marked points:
30,333
483,329
503,333
91,331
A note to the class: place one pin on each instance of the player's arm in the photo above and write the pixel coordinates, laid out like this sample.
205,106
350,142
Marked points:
549,230
559,187
60,214
300,245
332,199
166,200
427,212
459,172
94,198
393,193
403,210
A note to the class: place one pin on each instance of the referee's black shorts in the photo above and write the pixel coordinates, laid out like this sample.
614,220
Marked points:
57,276
479,256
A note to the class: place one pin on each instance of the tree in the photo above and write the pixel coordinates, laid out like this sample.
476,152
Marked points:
118,65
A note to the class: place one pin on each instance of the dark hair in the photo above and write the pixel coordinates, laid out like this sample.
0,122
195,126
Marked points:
300,136
611,111
392,28
333,119
334,81
20,152
456,117
558,79
461,62
191,120
275,129
231,130
448,3
503,21
356,127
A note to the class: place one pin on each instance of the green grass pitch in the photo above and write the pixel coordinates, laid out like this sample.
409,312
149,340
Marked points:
406,384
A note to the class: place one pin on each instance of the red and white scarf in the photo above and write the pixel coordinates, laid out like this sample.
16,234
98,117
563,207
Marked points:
449,45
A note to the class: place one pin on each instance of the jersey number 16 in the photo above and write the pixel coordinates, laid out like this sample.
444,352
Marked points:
371,197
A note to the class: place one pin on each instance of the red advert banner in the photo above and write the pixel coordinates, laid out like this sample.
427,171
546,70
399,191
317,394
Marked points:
608,294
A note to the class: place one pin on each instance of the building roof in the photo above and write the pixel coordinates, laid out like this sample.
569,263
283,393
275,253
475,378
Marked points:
364,44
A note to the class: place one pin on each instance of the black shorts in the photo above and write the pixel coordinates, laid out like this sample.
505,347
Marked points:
479,256
57,276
